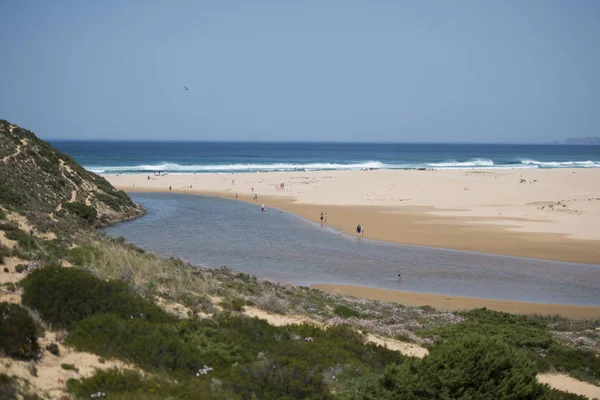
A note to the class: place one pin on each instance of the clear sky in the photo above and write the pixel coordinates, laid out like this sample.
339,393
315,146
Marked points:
480,70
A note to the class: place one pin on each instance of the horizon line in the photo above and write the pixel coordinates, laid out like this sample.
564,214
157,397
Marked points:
300,142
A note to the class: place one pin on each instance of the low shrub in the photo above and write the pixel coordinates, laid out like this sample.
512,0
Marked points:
4,252
68,367
1,261
64,296
26,241
131,385
518,330
54,249
8,226
8,387
152,346
20,268
554,394
270,302
283,378
472,367
18,332
233,304
584,364
530,334
53,349
83,255
345,312
83,211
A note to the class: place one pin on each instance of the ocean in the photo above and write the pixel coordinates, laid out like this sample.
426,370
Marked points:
214,232
224,157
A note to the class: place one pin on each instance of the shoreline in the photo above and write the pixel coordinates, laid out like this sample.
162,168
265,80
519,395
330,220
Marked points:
413,225
459,303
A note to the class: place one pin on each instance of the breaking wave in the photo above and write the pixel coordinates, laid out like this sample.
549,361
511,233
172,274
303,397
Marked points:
562,164
476,163
169,167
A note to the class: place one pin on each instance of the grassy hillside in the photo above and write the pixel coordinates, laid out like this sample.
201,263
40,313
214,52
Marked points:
85,316
48,186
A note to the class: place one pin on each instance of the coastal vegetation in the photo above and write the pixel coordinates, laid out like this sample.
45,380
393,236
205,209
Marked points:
161,328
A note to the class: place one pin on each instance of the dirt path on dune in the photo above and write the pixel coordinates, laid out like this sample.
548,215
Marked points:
16,153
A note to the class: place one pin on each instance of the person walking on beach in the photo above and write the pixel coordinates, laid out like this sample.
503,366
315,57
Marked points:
255,197
359,230
321,218
169,188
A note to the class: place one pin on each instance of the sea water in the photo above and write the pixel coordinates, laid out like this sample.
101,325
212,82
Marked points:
215,232
209,157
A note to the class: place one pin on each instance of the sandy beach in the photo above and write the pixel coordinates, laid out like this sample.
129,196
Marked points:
458,303
540,213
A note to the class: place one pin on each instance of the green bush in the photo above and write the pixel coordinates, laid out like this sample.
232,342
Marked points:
82,256
530,334
272,303
20,268
518,330
26,241
131,385
472,367
68,367
285,378
18,332
1,261
228,341
8,226
85,212
53,349
152,346
233,304
54,249
64,296
345,312
8,388
8,196
583,364
559,395
2,214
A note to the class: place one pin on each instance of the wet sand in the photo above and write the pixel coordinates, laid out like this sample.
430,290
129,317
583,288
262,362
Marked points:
458,303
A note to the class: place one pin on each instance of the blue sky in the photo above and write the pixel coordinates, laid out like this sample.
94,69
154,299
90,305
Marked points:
483,71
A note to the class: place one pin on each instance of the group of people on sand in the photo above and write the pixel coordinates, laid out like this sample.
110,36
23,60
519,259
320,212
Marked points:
323,218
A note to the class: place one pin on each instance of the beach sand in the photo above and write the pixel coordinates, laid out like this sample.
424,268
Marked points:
539,213
458,303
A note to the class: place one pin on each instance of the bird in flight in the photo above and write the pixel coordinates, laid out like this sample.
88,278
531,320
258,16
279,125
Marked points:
186,88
